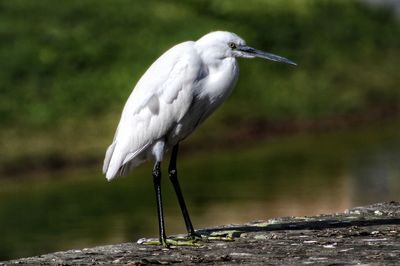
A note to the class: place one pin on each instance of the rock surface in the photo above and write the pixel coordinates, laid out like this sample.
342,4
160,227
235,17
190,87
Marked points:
362,235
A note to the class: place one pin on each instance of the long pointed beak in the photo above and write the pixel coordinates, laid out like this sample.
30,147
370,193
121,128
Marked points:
251,52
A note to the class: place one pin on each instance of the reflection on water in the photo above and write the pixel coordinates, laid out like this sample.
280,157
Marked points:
298,175
376,175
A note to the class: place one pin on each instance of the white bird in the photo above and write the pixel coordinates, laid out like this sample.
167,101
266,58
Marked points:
175,95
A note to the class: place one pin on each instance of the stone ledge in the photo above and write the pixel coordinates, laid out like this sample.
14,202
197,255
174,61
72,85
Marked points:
362,235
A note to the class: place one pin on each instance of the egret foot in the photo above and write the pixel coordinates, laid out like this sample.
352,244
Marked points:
222,235
219,238
193,240
195,236
176,241
205,238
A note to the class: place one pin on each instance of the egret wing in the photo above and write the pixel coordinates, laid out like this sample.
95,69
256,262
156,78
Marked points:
160,99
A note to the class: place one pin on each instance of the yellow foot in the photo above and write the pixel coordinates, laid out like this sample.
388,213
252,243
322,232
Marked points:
179,241
222,236
194,240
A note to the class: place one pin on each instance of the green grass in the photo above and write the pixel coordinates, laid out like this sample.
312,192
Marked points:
79,60
68,67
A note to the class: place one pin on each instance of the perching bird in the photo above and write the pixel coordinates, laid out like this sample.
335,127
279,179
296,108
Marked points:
175,95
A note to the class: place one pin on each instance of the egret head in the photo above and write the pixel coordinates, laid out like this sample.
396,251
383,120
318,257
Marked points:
223,44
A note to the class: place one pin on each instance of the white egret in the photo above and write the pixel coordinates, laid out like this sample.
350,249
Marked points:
175,95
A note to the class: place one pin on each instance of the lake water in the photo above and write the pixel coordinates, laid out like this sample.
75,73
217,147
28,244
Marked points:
303,174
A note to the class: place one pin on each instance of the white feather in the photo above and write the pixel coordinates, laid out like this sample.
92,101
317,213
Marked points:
178,92
142,123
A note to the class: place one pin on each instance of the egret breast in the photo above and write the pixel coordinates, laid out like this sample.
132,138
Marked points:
210,94
220,82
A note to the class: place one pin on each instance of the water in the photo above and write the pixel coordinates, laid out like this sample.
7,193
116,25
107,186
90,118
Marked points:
305,174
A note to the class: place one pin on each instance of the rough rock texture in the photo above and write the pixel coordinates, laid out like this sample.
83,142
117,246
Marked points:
362,235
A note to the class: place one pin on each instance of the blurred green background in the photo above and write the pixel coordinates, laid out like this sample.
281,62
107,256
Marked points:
321,137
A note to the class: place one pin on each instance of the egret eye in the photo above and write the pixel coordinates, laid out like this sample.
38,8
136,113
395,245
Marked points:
232,45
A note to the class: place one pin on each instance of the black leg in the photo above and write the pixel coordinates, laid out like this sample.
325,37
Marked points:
157,187
173,175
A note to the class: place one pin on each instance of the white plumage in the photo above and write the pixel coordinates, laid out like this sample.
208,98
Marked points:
179,90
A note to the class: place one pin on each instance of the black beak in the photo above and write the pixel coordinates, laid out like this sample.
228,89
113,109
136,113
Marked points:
251,52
